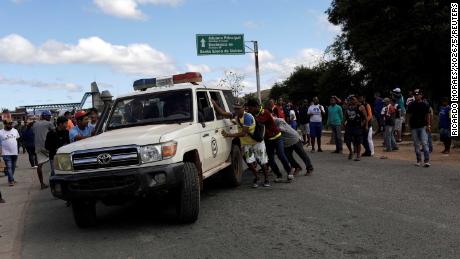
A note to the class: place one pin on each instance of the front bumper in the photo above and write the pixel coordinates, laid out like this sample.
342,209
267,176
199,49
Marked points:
124,183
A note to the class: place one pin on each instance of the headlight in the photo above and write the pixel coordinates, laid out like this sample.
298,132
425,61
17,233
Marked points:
150,153
62,162
153,153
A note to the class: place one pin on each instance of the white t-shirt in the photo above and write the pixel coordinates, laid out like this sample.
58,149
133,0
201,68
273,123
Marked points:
292,116
8,140
315,111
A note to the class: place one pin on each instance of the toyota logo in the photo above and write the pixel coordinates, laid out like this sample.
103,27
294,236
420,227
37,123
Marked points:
104,159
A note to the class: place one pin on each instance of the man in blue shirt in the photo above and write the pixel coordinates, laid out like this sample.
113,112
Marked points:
82,130
444,125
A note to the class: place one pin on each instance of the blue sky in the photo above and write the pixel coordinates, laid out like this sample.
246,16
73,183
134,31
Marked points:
51,50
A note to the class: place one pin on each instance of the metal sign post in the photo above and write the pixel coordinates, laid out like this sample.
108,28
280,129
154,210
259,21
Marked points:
256,60
256,57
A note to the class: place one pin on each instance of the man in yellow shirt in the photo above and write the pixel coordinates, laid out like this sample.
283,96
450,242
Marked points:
254,152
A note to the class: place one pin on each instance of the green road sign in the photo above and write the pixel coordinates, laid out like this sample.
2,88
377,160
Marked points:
220,44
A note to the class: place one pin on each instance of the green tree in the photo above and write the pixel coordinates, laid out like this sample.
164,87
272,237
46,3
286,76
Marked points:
398,43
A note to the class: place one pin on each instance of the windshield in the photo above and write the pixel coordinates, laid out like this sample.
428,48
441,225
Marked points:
155,108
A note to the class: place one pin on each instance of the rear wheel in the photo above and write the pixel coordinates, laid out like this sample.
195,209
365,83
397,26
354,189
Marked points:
84,213
188,200
234,172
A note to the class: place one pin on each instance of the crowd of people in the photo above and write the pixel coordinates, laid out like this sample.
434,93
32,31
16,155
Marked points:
392,114
41,138
263,132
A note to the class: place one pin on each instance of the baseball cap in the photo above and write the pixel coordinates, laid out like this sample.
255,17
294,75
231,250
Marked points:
397,90
237,105
80,114
386,100
46,113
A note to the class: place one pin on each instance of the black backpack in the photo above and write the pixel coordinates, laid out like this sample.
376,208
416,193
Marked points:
259,131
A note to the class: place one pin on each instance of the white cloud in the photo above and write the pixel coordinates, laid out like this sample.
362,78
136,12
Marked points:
281,69
120,8
252,25
202,68
130,8
138,58
325,24
43,85
273,70
264,56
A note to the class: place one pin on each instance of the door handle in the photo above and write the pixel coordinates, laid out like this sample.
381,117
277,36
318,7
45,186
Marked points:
206,135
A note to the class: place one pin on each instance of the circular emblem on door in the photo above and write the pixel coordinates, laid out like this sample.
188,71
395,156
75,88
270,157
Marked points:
104,159
214,147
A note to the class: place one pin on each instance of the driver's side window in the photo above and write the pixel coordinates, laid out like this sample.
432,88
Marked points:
205,111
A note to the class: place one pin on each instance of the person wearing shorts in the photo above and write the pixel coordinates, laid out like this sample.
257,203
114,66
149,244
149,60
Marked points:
40,130
316,112
254,152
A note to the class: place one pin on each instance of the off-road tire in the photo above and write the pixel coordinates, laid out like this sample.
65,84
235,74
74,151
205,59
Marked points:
84,213
234,173
188,198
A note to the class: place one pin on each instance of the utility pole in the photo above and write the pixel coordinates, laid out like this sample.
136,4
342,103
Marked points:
256,57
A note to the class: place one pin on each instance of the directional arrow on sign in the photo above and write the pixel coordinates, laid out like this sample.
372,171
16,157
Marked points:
203,43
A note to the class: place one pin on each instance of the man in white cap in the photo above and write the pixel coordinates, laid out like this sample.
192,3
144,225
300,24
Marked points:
399,121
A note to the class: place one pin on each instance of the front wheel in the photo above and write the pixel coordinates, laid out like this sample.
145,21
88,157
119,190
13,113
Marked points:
188,202
234,173
84,213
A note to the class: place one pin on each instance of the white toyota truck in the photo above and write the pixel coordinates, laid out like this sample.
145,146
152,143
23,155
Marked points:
165,136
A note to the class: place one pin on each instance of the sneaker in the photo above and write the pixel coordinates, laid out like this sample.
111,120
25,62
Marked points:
266,184
11,183
34,166
426,164
279,180
309,171
313,150
296,171
290,177
255,185
418,164
350,156
366,154
357,159
320,150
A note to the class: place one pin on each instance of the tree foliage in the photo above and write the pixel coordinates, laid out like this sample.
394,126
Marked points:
398,43
383,45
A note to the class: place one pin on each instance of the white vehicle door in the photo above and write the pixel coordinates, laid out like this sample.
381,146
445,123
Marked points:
225,144
208,133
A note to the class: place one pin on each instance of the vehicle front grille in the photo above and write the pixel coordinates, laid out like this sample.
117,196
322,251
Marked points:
105,158
106,182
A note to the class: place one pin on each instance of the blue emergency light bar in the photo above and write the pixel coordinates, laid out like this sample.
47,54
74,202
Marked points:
189,77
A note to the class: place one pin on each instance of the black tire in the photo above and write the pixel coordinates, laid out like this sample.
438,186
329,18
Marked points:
84,213
188,202
234,173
